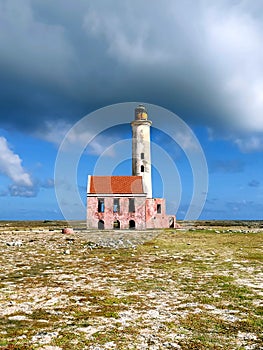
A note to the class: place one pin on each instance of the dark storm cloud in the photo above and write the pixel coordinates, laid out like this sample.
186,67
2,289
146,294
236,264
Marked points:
62,59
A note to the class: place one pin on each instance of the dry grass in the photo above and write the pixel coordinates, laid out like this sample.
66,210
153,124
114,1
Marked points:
182,290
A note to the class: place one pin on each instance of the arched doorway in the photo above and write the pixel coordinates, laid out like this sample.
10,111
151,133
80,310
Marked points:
101,225
171,222
116,225
132,224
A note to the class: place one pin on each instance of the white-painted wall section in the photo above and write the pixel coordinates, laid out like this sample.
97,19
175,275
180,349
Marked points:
141,148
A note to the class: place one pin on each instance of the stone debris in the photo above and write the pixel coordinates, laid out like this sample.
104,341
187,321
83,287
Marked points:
169,345
54,278
120,240
153,313
49,347
14,243
18,318
44,337
67,230
246,336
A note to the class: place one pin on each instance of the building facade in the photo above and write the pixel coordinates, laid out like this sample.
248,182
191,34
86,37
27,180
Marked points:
125,202
116,202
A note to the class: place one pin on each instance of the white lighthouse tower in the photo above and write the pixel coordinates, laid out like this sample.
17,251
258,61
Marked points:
141,150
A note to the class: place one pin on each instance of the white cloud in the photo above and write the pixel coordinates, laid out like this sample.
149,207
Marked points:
250,143
234,46
22,191
210,50
247,143
56,131
125,42
21,184
186,140
11,165
53,131
102,144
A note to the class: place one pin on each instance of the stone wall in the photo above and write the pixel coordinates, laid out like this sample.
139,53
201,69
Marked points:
149,213
156,216
122,215
156,213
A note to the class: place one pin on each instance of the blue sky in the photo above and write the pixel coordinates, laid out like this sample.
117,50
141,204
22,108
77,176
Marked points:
62,61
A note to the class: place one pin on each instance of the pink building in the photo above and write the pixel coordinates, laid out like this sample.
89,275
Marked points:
125,202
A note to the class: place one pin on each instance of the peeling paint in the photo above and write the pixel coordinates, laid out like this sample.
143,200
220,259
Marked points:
145,215
123,215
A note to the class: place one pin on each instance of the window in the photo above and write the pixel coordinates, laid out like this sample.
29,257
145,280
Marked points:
131,205
101,205
116,225
142,155
132,224
116,205
101,225
159,209
142,168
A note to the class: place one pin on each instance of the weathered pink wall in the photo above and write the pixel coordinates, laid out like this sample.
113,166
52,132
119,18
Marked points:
145,216
154,219
124,216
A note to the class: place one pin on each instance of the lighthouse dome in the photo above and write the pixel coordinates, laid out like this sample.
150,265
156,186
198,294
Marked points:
141,113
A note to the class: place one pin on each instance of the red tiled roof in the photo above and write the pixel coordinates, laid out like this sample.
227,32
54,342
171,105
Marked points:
115,184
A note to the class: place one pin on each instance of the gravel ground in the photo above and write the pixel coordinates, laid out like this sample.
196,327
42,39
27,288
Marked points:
194,288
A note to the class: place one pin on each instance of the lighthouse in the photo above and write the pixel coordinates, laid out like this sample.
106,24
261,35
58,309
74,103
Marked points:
141,148
125,202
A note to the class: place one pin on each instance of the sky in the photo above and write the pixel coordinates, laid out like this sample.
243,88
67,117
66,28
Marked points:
72,72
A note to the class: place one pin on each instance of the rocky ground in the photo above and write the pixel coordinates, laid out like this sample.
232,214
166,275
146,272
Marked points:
197,287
